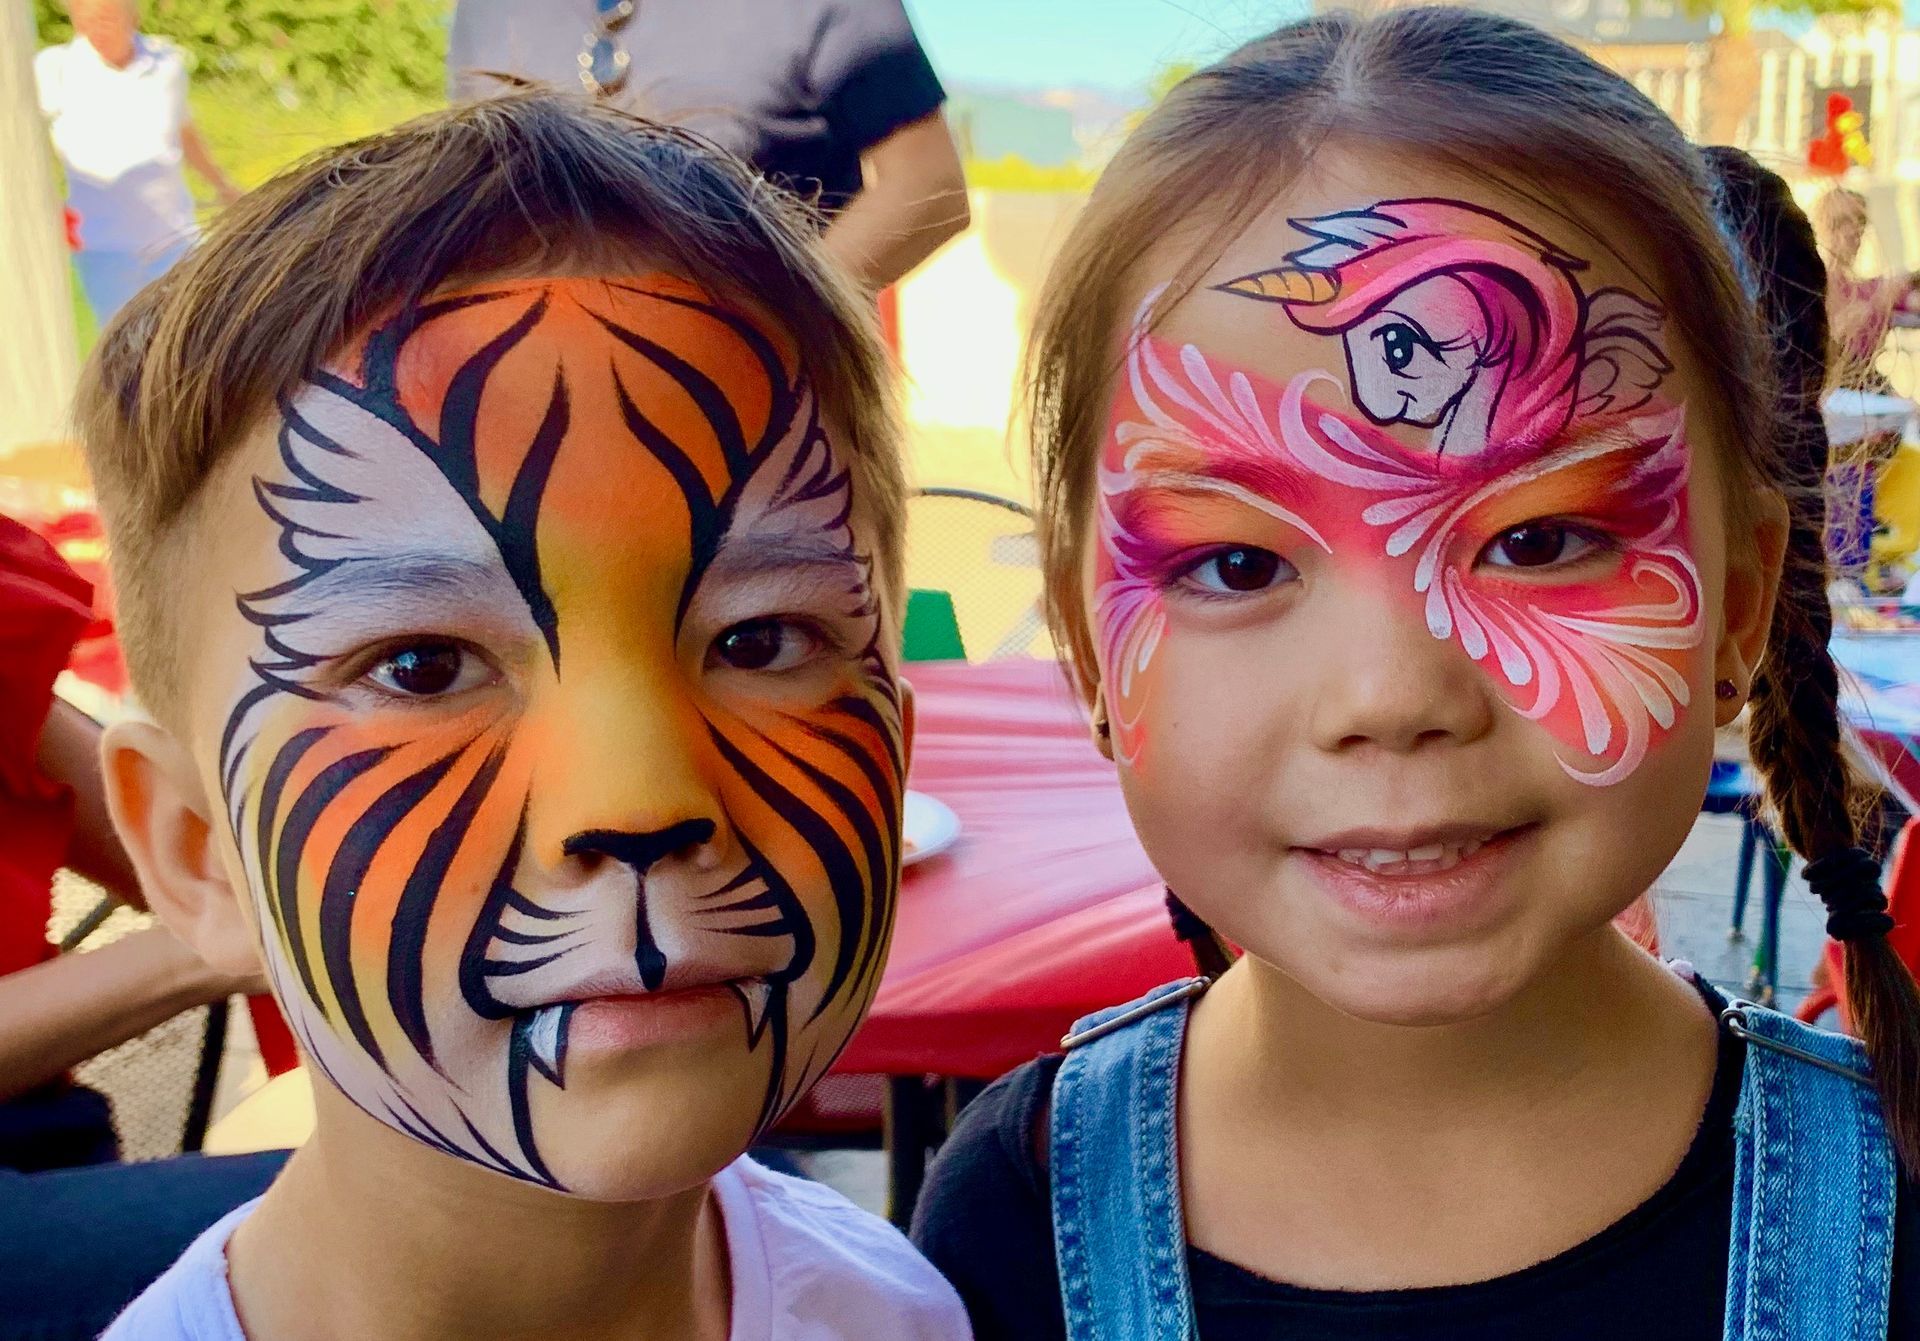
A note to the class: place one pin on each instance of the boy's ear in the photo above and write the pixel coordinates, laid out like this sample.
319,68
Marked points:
1752,587
161,810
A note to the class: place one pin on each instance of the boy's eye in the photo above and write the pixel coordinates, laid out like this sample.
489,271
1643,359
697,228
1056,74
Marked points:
764,645
1243,569
1537,544
428,670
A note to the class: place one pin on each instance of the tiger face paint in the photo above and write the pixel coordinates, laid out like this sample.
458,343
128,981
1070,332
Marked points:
1485,434
566,772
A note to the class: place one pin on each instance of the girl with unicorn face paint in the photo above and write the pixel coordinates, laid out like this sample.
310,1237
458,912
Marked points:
521,630
1415,511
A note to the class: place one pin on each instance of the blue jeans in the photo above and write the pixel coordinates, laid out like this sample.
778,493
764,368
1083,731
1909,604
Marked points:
1811,1153
110,278
76,1245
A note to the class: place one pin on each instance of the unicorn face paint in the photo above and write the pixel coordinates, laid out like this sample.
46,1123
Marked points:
1496,448
567,770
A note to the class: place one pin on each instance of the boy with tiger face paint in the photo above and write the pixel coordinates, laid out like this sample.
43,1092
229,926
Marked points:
531,709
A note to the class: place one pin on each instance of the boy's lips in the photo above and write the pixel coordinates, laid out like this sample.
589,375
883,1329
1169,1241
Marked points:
617,1020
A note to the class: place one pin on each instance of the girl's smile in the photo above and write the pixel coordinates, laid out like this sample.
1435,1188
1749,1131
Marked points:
1436,881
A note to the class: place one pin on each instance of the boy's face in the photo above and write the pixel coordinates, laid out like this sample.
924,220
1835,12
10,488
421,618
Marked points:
564,762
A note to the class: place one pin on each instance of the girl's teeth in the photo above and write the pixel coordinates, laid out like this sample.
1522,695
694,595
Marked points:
1378,859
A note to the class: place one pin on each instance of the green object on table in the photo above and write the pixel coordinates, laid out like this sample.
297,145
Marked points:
932,629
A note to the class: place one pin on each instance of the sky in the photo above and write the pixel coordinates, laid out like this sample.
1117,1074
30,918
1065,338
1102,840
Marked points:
1114,45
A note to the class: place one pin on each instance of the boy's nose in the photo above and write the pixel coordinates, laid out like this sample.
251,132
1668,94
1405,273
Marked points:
626,757
1385,682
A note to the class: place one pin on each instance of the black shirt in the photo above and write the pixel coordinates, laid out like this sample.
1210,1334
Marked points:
798,88
1657,1274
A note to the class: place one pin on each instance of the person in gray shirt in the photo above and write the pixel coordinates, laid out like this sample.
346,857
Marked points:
834,99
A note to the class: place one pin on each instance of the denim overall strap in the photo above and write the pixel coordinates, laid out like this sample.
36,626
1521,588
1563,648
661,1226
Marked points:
1118,1233
1811,1256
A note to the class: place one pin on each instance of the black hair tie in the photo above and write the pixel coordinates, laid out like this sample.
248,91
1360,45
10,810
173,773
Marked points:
1848,883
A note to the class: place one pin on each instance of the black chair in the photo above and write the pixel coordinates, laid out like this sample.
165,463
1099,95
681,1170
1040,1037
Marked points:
160,1069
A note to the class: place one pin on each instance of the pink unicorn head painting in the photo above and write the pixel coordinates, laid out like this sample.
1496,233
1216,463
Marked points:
1460,321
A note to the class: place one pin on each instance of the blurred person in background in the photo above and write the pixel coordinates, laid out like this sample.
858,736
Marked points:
80,1234
116,100
834,99
56,1010
1860,308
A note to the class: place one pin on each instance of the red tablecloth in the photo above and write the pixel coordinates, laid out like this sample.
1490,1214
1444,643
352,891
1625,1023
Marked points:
1044,910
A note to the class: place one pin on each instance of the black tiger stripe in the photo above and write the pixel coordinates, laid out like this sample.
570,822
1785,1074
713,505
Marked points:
406,948
276,782
473,953
339,893
284,870
715,408
879,852
515,534
886,786
458,456
851,893
750,335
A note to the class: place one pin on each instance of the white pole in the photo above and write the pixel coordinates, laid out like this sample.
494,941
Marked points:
38,357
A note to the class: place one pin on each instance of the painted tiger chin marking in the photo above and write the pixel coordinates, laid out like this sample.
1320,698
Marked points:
542,804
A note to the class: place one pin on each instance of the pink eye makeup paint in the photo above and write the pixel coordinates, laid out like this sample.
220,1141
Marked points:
1541,525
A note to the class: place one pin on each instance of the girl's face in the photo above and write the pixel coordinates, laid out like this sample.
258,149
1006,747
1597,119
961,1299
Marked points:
1409,589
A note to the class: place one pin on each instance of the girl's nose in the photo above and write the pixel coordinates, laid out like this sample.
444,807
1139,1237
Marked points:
1384,682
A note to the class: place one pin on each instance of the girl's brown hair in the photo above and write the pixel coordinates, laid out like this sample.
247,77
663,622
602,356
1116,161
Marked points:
289,274
1495,98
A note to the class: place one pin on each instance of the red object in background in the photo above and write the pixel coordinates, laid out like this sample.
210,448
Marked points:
70,218
889,302
1903,901
82,542
1046,908
1843,144
271,1033
44,606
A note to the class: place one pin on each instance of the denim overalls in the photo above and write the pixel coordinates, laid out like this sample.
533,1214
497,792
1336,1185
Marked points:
1811,1257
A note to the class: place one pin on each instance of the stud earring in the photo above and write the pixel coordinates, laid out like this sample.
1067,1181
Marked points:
1726,691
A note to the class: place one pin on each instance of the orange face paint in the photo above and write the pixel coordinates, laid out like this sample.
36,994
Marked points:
568,687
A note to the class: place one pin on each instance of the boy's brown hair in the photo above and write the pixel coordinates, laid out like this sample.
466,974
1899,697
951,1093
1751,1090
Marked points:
294,270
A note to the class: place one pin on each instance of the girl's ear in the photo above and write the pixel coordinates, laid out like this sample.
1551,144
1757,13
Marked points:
1746,611
160,808
1102,724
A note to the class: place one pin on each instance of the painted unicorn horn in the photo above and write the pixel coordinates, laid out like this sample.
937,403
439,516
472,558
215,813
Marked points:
1287,284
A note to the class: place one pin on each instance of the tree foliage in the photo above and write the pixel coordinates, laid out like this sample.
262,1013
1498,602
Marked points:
297,48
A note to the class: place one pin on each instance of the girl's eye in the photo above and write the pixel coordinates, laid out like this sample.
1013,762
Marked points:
764,645
1538,544
428,670
1239,570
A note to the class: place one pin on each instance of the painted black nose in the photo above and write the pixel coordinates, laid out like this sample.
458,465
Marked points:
638,852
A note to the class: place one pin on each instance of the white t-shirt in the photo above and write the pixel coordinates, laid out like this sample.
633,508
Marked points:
117,131
807,1265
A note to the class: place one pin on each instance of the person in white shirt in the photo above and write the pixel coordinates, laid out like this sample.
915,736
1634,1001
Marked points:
117,103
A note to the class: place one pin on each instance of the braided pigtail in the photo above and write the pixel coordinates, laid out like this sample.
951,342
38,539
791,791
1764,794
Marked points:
1793,730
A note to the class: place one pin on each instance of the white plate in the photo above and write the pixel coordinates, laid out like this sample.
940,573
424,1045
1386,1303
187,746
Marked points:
931,827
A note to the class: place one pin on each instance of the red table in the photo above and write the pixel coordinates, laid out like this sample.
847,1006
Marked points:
1045,909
